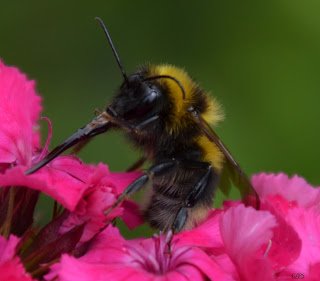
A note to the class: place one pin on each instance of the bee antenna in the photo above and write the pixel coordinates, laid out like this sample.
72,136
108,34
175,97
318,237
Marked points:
113,49
169,77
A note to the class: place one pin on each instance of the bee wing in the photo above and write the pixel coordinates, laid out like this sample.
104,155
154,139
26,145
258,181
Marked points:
232,172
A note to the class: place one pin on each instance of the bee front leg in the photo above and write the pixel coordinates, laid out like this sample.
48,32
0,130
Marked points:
114,118
135,186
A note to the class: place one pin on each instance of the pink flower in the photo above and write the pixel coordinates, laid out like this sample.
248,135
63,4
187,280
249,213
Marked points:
20,109
19,144
112,257
245,231
242,244
295,190
272,243
296,206
66,178
86,191
103,192
11,268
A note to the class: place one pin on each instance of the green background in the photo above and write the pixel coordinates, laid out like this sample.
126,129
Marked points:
262,61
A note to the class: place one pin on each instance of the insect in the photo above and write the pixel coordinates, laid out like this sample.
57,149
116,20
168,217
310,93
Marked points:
167,114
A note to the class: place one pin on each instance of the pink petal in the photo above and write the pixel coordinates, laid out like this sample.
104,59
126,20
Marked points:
205,265
13,271
307,224
207,234
131,214
107,248
314,272
185,273
121,180
244,231
286,243
90,210
65,188
19,111
101,195
106,259
70,269
111,257
11,268
8,247
225,263
118,181
294,189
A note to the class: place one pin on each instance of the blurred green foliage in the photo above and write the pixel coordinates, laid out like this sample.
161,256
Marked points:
261,60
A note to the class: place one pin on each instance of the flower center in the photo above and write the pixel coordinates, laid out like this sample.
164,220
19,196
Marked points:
153,255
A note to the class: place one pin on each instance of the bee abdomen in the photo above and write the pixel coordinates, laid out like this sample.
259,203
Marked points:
160,211
163,202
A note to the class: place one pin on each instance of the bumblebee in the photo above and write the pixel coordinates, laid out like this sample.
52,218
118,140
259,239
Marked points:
168,115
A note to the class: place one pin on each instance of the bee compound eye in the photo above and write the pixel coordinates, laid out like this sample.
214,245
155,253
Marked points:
150,97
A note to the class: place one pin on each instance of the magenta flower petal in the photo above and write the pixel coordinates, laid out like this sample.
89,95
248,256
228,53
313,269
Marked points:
11,268
121,180
212,270
19,111
104,188
314,272
286,243
85,190
70,269
307,225
244,231
300,191
131,214
8,247
112,256
207,234
65,188
225,263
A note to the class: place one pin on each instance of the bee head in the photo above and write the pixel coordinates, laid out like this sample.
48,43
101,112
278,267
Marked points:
137,97
140,95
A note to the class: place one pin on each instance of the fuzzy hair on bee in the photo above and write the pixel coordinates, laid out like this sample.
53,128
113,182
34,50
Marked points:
167,115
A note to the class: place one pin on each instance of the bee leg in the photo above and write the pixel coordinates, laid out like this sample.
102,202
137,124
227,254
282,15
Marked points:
180,220
135,186
129,127
199,188
146,122
112,116
178,224
194,195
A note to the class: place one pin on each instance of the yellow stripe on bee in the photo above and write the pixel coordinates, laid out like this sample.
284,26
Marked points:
211,153
214,112
174,89
180,114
